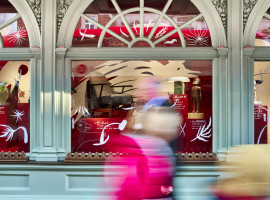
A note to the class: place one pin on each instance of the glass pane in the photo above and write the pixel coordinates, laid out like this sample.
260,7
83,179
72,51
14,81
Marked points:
88,34
108,98
263,33
261,102
197,34
15,106
14,35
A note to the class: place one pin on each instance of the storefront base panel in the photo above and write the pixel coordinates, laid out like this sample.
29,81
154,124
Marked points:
37,181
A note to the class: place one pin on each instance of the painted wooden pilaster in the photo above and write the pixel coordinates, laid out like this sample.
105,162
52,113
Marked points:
248,77
46,144
63,144
35,102
220,121
235,132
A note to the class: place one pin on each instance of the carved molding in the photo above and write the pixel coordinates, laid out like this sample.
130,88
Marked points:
248,6
36,8
90,157
196,156
93,157
62,8
221,6
13,156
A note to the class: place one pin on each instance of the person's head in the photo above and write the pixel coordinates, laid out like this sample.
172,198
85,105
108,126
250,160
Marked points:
147,88
197,81
162,122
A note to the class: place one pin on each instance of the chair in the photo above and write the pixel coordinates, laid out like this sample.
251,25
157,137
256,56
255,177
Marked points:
101,96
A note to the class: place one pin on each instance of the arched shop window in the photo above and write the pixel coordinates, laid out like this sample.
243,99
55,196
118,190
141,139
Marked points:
141,24
14,83
12,28
263,33
96,115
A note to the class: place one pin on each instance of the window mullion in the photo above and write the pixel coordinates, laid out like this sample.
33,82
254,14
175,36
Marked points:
123,19
10,21
267,16
159,19
2,45
179,28
141,18
105,29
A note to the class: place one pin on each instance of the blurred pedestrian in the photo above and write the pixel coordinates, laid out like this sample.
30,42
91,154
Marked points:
249,175
147,172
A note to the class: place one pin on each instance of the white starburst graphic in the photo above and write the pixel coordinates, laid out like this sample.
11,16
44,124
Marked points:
17,36
197,37
17,115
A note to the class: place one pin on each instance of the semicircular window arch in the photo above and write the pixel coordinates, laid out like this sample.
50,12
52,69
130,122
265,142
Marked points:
263,32
13,31
144,23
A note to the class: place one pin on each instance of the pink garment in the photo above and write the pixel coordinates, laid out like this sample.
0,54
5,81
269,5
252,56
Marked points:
148,170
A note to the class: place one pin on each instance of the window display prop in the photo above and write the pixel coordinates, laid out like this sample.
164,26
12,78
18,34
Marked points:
196,96
14,107
108,98
179,84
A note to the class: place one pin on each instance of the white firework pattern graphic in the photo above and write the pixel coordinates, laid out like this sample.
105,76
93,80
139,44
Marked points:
18,114
197,37
17,36
204,133
9,132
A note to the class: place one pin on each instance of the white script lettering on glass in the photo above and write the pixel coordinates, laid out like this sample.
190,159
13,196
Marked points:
102,140
204,133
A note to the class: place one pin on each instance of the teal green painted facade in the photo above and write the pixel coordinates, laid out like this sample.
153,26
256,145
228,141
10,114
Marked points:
46,177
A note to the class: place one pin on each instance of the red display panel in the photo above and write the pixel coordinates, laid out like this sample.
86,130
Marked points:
260,124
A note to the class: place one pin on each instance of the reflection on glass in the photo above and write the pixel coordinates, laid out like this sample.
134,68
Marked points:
263,33
110,97
261,102
15,33
14,106
141,29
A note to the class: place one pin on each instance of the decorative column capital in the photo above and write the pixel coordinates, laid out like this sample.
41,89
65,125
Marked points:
248,51
247,8
61,52
62,7
223,52
36,8
221,6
